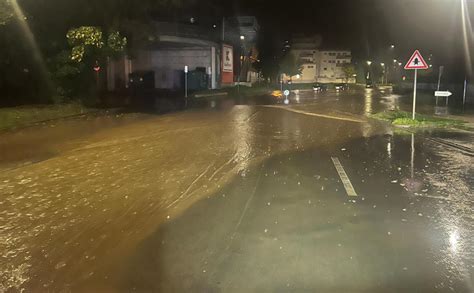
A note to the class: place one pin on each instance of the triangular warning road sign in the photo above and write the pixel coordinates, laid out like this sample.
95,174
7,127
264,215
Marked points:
416,62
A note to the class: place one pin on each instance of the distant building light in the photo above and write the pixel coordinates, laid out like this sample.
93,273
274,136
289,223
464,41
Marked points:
382,64
242,37
298,76
369,62
192,20
394,60
392,46
214,26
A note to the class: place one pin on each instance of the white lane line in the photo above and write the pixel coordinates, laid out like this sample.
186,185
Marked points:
315,114
344,178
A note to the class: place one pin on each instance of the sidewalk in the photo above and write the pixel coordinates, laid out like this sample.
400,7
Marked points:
468,118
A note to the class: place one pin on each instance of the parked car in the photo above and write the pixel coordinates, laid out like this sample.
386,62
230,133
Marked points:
142,79
341,87
319,87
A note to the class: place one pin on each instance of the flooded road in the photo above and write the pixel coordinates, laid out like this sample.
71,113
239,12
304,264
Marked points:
251,198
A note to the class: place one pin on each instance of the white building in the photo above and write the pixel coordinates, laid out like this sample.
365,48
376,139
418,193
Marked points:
330,66
305,48
319,65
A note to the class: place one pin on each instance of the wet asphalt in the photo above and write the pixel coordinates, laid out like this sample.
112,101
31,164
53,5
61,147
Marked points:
243,198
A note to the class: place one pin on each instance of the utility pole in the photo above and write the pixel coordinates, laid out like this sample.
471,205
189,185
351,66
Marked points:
441,69
223,29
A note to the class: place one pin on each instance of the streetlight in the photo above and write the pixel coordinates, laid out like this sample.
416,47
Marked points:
394,60
242,48
368,71
383,72
392,46
399,63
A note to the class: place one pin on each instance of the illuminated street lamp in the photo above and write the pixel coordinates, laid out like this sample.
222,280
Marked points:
382,64
392,46
399,63
394,60
242,38
369,62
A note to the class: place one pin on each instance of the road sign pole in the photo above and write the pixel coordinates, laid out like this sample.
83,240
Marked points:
186,68
441,68
414,94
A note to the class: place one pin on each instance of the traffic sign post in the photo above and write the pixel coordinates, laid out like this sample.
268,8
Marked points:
186,69
443,93
415,62
286,93
414,96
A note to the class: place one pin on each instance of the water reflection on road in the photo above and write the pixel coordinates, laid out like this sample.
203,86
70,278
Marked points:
243,199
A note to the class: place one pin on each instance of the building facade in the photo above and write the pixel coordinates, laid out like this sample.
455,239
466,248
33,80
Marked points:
320,65
164,54
330,66
305,48
241,32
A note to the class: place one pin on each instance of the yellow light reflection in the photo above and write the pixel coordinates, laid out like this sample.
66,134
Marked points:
368,101
453,240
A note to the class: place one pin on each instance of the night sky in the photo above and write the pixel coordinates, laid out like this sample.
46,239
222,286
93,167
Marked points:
368,27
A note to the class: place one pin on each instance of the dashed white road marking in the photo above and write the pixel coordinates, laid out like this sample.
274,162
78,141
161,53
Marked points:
344,178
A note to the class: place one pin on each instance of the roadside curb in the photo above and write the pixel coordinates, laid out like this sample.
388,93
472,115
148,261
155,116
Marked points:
211,95
113,111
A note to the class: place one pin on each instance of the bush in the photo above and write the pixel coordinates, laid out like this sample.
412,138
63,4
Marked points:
401,118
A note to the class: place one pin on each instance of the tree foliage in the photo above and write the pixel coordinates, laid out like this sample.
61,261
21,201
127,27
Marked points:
349,71
99,30
6,11
291,65
268,68
89,39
